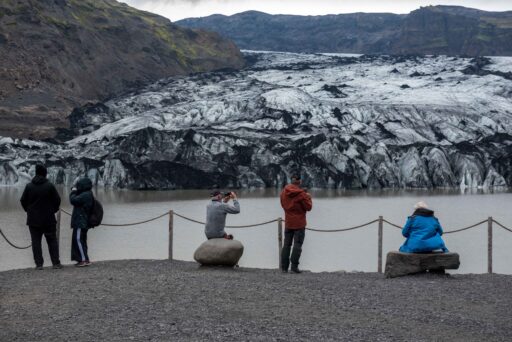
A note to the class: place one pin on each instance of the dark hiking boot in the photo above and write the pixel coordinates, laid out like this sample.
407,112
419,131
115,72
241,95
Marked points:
82,264
295,269
57,266
437,271
39,268
296,252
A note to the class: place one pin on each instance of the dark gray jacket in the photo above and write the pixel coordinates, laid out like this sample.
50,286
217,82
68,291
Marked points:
41,201
82,201
216,212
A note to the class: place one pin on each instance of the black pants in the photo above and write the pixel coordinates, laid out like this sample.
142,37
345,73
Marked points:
297,237
79,245
50,234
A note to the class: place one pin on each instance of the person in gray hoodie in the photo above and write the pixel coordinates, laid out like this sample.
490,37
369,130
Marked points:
216,212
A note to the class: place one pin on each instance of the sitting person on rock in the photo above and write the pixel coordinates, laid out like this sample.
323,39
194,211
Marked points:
422,232
216,212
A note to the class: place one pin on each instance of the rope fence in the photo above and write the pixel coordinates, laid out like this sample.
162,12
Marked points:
502,226
465,228
341,229
380,220
126,224
243,226
447,232
392,224
275,220
10,243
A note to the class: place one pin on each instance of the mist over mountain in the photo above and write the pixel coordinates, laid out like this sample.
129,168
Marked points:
450,30
59,54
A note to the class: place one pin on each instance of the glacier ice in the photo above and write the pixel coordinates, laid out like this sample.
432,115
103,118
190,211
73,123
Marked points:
343,121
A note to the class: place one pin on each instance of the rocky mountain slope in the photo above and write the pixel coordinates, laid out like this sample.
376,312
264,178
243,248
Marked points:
359,32
429,30
344,121
58,54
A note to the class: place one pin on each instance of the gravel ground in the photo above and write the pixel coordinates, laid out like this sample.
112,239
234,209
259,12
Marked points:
179,301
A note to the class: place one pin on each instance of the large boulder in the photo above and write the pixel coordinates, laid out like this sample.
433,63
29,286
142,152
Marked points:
400,264
219,252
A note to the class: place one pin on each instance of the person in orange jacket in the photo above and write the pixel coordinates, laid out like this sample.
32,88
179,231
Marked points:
295,202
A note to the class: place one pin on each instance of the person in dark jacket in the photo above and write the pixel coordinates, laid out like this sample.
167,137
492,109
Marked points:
422,232
295,202
81,198
41,201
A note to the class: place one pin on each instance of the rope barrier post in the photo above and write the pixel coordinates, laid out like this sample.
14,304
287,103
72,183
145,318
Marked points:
379,253
171,226
489,245
58,225
279,240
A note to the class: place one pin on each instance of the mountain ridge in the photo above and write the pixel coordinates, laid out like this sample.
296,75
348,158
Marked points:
451,30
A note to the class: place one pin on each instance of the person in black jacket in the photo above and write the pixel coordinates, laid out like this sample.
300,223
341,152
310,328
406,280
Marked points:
82,200
41,201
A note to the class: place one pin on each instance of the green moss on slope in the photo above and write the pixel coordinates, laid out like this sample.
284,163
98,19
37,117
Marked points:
73,51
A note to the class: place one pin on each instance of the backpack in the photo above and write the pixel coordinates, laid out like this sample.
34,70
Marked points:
96,214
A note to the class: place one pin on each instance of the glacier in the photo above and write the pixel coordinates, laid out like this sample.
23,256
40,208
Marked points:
342,121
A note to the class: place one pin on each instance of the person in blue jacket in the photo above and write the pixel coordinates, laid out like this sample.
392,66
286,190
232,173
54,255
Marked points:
422,231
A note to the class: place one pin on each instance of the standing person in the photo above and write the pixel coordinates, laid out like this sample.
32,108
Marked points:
295,202
82,200
41,201
422,232
216,212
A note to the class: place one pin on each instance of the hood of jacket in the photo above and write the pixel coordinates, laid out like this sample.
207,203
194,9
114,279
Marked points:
292,191
423,212
38,180
84,184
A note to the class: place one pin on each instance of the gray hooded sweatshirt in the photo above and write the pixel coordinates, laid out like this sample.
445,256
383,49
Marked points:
216,212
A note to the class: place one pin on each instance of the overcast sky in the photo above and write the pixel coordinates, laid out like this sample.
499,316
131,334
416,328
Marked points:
179,9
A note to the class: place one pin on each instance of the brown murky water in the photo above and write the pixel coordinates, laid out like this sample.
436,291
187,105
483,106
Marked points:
351,251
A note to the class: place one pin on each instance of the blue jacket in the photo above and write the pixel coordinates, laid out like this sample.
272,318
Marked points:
423,232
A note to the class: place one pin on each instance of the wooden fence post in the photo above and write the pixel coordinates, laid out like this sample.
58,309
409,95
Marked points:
171,224
379,253
58,226
279,240
489,245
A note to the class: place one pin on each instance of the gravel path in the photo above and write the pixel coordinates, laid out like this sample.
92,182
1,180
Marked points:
162,301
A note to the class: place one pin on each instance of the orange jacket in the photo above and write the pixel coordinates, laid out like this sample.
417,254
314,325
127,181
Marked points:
295,202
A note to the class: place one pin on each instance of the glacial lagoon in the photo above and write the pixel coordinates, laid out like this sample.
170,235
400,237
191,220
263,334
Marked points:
354,250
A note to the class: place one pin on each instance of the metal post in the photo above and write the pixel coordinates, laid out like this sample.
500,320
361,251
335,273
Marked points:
171,224
279,240
58,226
489,245
379,253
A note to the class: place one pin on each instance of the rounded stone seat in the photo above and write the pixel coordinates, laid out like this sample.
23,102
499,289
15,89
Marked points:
219,252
